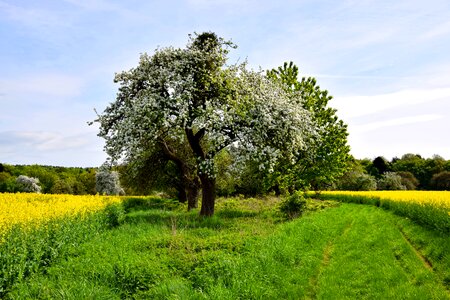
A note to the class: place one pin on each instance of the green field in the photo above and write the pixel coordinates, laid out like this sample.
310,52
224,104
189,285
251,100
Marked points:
248,251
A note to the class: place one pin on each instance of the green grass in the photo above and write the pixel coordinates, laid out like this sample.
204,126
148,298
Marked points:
26,252
421,207
247,251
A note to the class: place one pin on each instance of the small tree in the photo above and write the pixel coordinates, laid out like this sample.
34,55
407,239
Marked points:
381,166
356,179
107,182
28,184
88,180
441,181
7,183
61,186
390,181
408,180
46,176
415,164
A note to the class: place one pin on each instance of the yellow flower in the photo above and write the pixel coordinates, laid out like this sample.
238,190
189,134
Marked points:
439,199
29,210
431,207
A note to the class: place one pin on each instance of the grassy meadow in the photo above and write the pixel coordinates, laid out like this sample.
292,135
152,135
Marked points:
429,208
151,248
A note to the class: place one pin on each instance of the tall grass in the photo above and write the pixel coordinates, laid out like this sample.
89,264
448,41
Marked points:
36,230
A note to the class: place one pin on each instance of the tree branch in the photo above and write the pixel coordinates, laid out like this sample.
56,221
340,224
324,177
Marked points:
194,141
169,153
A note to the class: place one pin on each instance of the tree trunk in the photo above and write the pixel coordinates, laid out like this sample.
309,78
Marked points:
182,196
208,195
208,184
192,196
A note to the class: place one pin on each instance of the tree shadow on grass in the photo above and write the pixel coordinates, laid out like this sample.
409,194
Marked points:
150,203
187,220
175,219
236,213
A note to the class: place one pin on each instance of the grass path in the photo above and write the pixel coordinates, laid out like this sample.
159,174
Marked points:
348,252
374,260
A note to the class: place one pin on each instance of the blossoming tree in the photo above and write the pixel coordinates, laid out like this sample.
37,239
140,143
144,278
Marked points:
191,96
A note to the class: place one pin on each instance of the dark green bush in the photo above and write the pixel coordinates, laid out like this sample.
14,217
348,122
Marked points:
293,206
150,202
441,181
115,215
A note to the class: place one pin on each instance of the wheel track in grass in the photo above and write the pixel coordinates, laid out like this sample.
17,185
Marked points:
427,264
425,261
363,226
326,257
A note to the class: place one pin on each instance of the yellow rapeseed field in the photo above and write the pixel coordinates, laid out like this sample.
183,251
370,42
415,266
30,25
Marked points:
428,207
32,209
439,199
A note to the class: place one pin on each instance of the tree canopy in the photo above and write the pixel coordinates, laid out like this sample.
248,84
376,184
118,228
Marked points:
191,96
327,156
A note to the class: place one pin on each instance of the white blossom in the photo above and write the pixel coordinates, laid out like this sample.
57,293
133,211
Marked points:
107,182
156,102
28,184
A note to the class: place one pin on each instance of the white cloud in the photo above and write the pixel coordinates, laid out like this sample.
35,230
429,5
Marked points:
40,141
437,31
356,106
360,149
396,122
435,75
406,121
59,85
51,148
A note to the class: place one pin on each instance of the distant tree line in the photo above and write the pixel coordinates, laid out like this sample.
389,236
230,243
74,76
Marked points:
410,172
47,179
59,180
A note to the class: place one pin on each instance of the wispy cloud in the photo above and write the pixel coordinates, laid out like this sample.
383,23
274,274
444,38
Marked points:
50,148
39,141
58,85
337,76
437,31
356,106
33,17
396,122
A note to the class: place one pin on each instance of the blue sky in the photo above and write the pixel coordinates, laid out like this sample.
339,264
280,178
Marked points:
387,64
